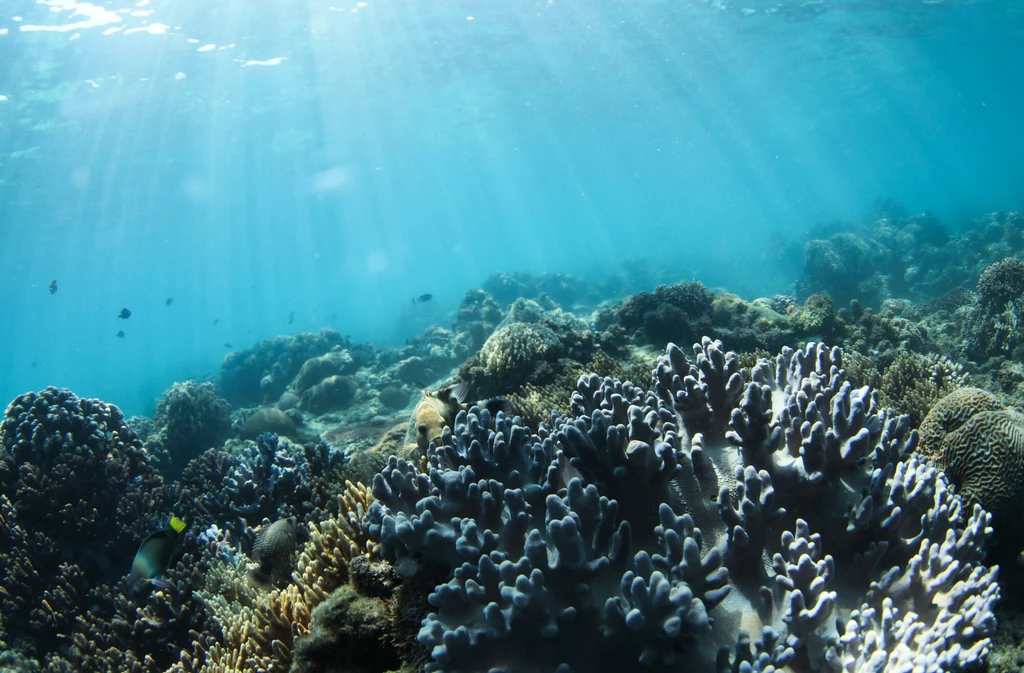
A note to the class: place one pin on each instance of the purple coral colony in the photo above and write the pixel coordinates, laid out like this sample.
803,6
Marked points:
678,480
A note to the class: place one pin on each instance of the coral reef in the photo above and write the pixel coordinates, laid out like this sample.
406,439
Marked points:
261,630
190,418
78,493
268,420
639,524
257,482
903,257
912,383
535,404
331,394
680,312
992,327
530,347
479,315
66,544
513,351
260,374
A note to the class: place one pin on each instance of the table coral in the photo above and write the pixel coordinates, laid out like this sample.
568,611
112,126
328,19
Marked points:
640,524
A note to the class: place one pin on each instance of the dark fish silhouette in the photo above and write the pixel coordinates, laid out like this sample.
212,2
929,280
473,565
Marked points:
423,298
53,287
120,334
227,345
273,551
124,314
154,555
216,321
291,317
168,301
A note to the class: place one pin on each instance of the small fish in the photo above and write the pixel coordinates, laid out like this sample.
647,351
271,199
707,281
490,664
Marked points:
227,345
439,409
216,321
120,334
124,314
53,287
272,552
168,301
291,317
154,555
33,364
422,299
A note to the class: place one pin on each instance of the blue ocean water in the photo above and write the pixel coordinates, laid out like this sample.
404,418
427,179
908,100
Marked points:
285,166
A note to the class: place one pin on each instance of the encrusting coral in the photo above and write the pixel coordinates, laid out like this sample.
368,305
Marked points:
661,528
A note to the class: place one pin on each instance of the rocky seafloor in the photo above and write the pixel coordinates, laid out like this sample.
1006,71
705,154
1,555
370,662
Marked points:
685,481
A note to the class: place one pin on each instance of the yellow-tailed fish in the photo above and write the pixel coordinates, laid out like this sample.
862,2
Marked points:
154,555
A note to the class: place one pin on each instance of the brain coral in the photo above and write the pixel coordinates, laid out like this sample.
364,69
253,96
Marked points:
979,444
950,413
664,527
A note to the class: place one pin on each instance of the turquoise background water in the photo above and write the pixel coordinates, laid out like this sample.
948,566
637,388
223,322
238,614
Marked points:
258,161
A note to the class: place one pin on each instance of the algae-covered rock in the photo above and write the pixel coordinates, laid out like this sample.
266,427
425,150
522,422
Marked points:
348,634
315,370
268,419
332,394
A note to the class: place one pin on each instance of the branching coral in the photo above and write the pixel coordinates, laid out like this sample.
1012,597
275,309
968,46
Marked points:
261,629
268,479
535,404
993,326
913,383
190,418
512,352
70,464
678,312
604,529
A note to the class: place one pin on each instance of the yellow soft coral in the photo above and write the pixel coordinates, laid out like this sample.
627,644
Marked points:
260,629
